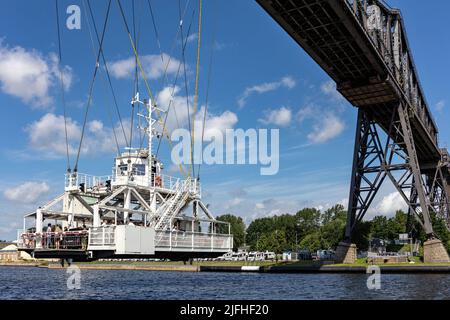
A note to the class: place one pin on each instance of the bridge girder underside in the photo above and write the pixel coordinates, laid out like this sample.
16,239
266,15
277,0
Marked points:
362,45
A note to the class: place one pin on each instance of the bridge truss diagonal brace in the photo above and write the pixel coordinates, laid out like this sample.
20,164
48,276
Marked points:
372,164
367,172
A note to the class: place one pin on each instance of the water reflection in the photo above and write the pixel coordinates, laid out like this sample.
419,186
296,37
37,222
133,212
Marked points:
42,283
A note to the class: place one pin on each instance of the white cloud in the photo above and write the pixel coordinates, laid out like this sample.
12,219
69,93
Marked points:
287,82
310,111
28,192
235,202
192,38
390,204
28,75
259,205
329,89
440,105
47,136
281,117
327,128
178,114
152,64
344,202
226,120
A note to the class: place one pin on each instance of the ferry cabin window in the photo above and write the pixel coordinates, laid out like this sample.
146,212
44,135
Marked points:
123,168
139,169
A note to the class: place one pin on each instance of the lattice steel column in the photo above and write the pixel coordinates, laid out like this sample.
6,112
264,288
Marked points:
415,167
367,171
372,164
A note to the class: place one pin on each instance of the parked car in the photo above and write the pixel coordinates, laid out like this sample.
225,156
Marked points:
325,254
269,255
304,255
239,256
255,256
225,257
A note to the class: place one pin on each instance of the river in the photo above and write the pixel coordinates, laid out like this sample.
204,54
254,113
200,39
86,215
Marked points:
42,283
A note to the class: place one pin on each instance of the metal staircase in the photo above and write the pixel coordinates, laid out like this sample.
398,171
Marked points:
176,203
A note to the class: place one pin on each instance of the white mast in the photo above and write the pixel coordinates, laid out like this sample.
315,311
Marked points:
150,129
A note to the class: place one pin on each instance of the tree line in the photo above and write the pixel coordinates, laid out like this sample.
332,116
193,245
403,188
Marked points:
312,229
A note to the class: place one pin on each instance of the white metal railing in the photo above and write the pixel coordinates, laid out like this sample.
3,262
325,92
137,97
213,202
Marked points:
388,254
169,182
68,240
90,182
20,239
193,240
175,203
162,181
102,237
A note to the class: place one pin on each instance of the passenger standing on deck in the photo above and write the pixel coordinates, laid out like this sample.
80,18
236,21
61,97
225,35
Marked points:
49,236
64,244
84,237
58,236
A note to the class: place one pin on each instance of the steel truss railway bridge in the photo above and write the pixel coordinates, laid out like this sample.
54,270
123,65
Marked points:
363,46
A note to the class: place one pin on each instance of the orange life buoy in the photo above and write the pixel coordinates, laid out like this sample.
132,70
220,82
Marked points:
158,181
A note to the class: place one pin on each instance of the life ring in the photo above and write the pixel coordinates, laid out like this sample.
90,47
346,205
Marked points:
158,181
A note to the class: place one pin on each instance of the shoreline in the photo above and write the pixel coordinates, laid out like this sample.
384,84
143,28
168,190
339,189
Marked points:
286,268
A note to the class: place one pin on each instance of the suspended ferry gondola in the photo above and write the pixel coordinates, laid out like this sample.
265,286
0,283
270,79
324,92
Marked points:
136,212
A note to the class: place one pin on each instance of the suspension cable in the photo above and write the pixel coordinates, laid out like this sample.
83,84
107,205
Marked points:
196,82
155,30
183,53
108,77
174,86
134,49
158,42
61,78
143,74
170,59
107,73
136,78
91,88
166,67
213,45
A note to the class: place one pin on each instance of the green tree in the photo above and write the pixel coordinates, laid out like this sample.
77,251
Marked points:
237,228
441,230
336,212
398,222
273,241
380,228
311,242
307,220
288,225
361,234
257,229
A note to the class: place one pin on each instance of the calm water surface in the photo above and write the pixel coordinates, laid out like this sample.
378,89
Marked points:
42,283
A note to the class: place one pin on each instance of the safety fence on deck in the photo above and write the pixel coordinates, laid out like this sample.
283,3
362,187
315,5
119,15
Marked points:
69,240
193,240
102,237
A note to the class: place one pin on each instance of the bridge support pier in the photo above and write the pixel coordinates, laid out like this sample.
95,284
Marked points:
394,156
435,252
346,253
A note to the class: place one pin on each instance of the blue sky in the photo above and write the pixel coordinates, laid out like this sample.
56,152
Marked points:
260,79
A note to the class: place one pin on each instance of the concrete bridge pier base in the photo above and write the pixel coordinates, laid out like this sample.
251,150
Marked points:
346,253
435,252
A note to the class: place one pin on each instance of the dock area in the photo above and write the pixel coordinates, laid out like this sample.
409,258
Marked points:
207,266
